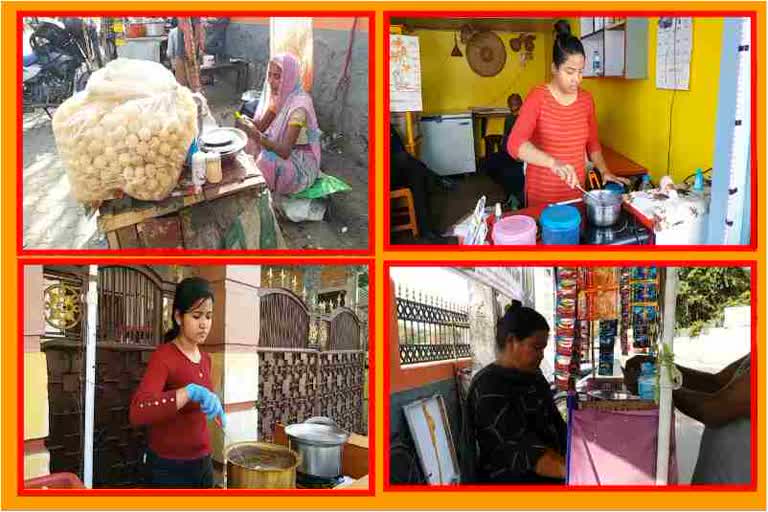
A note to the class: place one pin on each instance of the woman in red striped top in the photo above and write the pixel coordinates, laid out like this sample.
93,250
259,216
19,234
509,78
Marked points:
174,397
557,128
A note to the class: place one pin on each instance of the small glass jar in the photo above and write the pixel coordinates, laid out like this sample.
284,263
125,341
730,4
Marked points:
213,167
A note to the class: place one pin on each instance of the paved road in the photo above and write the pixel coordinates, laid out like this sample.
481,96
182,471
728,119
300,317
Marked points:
53,219
710,352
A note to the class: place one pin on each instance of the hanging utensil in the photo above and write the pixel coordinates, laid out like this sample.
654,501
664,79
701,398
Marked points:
456,52
228,450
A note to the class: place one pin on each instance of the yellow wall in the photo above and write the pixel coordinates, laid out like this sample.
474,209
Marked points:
37,464
35,396
633,116
449,84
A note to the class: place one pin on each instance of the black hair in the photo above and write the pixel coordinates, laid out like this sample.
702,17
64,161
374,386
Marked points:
519,322
566,44
189,293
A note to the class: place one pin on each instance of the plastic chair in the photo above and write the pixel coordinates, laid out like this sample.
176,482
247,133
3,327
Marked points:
401,208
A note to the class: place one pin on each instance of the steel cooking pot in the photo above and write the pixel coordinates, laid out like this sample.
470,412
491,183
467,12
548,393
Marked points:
603,207
320,446
256,465
155,28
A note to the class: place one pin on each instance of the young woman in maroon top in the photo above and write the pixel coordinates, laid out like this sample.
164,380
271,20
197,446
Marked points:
557,128
174,398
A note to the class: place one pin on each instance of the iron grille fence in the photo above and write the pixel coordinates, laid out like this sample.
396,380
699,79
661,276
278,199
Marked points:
311,362
431,329
130,306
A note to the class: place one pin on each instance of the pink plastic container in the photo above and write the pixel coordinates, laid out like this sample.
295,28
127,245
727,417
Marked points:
515,230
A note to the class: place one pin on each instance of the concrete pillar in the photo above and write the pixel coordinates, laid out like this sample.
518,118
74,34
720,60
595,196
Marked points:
36,422
233,347
482,324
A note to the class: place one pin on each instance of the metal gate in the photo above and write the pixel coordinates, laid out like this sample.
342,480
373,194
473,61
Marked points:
129,327
310,363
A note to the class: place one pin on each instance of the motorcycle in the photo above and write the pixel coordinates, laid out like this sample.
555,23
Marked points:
60,63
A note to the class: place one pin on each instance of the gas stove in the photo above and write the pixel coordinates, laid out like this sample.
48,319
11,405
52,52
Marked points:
304,481
626,231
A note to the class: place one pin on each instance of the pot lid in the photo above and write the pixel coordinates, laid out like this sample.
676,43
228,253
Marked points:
317,434
560,216
223,140
486,54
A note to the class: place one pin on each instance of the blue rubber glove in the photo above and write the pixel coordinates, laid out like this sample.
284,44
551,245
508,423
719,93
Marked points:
213,409
209,402
198,394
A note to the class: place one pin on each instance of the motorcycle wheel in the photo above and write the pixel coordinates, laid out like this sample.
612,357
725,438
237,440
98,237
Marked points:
81,80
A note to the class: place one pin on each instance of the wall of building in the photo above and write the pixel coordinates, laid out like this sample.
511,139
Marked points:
339,110
449,84
482,324
36,418
634,116
413,382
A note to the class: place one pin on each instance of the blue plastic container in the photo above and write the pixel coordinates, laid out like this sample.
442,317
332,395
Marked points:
616,188
646,383
560,225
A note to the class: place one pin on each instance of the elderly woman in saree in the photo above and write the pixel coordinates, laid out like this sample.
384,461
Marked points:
283,135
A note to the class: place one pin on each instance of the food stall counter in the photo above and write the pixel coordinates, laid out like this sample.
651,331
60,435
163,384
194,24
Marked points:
630,229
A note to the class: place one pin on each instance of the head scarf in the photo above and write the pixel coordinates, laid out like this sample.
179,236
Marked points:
290,97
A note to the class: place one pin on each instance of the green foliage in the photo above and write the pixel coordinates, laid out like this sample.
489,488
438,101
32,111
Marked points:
704,292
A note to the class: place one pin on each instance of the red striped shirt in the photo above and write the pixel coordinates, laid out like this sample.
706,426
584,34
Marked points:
567,133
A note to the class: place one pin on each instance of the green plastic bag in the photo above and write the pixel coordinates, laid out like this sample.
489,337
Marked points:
324,185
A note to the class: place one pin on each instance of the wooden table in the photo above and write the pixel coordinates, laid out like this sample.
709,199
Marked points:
189,220
239,66
620,165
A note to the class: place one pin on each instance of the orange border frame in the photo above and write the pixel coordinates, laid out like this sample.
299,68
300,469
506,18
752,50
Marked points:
195,492
587,500
569,12
135,10
756,397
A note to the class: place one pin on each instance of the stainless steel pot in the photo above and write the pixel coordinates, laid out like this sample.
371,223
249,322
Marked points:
155,28
320,446
603,207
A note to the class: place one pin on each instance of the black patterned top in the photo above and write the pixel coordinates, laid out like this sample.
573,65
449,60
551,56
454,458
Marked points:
510,418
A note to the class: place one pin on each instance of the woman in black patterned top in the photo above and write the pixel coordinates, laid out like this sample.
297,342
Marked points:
512,431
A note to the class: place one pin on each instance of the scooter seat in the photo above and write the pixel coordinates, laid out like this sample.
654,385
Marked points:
29,59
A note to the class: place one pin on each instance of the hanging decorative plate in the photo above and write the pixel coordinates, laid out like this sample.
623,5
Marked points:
62,306
486,54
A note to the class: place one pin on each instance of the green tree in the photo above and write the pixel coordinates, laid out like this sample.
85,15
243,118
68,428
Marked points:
705,292
362,279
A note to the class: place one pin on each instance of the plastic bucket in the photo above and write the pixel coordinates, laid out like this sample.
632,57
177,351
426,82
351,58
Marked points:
560,225
514,230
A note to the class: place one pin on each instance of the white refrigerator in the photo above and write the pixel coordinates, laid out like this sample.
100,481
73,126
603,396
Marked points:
448,143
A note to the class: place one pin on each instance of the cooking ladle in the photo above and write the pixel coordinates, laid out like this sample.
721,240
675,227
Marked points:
239,459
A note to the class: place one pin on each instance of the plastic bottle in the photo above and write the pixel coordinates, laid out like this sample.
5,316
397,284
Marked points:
646,183
646,383
698,184
596,64
198,169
